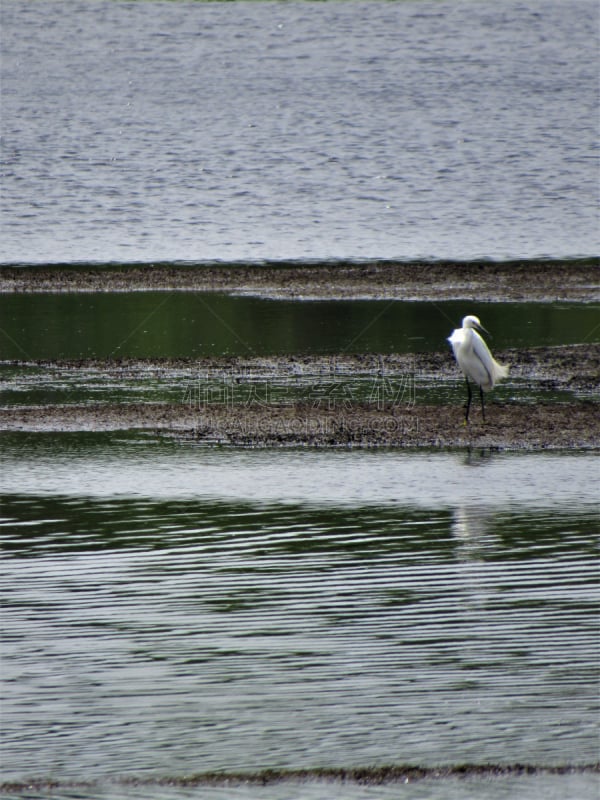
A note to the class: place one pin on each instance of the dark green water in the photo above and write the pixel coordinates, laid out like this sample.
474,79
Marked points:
163,324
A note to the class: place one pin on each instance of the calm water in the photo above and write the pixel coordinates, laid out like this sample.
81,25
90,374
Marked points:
201,131
196,324
170,609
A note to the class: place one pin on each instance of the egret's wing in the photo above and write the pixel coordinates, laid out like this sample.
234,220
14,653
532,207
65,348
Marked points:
491,371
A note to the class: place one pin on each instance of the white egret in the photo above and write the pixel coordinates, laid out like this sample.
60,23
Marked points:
475,360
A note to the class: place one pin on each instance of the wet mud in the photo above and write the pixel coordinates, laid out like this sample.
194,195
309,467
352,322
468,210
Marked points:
574,280
361,776
507,426
543,423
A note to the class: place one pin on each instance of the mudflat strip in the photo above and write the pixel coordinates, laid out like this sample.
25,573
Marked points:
361,776
576,280
508,426
412,421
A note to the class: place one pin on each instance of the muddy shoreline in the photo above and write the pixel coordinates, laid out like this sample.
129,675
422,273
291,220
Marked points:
507,426
571,422
361,776
532,280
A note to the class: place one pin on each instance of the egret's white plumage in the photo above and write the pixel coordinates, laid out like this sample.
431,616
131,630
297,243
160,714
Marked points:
475,360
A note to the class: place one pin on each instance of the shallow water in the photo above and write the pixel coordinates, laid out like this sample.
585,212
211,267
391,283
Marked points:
130,465
292,130
171,609
196,324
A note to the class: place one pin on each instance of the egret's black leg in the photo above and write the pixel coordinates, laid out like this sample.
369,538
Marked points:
468,406
482,403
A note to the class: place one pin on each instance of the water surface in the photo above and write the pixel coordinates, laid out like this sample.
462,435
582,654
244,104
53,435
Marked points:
171,609
196,324
292,130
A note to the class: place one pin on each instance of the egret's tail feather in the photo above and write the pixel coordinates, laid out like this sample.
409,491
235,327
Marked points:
500,372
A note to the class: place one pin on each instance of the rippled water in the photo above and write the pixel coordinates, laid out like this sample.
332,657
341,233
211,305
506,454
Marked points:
171,609
201,131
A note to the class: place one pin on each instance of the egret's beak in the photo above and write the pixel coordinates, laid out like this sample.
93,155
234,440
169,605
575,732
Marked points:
481,328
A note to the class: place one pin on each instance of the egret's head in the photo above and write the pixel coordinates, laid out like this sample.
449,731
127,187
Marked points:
473,322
